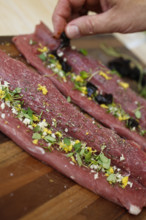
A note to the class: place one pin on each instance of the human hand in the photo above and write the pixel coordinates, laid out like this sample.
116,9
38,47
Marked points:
112,16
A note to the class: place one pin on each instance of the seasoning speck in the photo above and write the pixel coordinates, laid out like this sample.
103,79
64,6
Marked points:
66,130
96,176
3,115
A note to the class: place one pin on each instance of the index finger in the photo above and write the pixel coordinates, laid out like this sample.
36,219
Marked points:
63,13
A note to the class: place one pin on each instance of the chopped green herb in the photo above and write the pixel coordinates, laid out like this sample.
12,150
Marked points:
49,138
17,90
104,161
54,122
143,92
138,114
36,136
37,129
77,147
41,114
70,154
84,74
32,42
142,132
43,56
78,159
88,156
111,178
84,52
68,99
67,141
103,147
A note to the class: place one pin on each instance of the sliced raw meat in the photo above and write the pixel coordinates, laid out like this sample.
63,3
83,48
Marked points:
54,107
127,98
67,88
133,199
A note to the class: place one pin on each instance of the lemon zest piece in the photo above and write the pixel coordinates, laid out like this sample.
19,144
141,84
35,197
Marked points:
42,50
35,141
111,170
58,133
2,94
123,118
34,125
79,79
124,181
51,56
77,141
35,118
123,84
43,89
73,159
105,75
84,90
58,66
104,106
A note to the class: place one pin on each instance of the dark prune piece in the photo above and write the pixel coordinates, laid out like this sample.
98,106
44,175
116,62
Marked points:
54,52
91,89
124,67
104,99
65,41
131,123
144,80
65,66
120,65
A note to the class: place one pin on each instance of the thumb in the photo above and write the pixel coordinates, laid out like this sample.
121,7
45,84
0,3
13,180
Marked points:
92,24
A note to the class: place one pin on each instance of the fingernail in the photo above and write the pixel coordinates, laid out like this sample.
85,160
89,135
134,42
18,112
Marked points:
72,31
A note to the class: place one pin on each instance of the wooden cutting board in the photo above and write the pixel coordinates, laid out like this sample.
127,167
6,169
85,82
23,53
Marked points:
31,190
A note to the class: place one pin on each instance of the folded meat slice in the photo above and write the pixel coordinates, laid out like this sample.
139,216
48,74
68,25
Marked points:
133,199
67,88
41,96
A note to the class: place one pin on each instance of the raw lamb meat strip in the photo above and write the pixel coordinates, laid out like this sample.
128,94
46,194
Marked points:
128,99
53,106
67,88
133,199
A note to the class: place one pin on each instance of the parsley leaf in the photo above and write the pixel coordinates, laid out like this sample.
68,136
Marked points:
84,52
67,141
49,138
36,136
138,114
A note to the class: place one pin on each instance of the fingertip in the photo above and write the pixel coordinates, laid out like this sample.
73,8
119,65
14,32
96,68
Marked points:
72,31
58,25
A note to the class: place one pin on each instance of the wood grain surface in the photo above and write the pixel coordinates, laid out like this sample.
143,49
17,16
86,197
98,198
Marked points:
31,190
